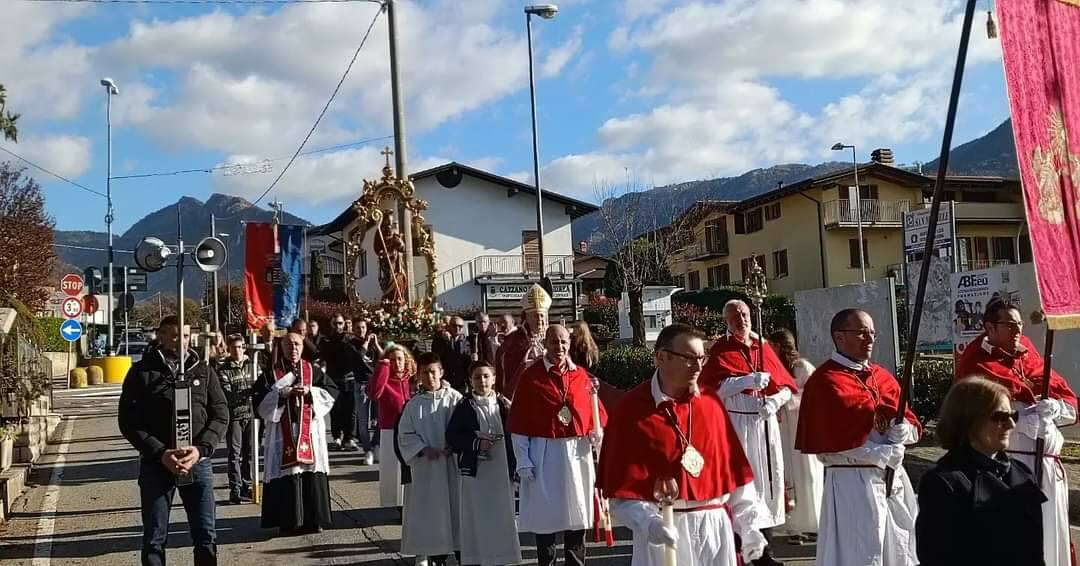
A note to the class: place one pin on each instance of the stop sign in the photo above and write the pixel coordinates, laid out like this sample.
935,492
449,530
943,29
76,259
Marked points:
71,285
90,304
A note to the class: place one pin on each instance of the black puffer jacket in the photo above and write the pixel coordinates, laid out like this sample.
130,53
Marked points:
146,406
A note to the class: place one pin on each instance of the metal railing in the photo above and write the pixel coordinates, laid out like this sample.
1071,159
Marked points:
519,265
25,372
976,264
843,212
705,249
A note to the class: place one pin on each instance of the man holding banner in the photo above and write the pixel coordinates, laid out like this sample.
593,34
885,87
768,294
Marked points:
1004,355
293,400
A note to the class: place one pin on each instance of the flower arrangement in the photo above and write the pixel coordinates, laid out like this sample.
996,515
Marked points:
404,321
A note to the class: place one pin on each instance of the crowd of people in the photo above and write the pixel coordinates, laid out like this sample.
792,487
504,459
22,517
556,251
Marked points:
504,430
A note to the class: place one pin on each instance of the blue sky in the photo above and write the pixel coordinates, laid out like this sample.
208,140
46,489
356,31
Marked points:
654,91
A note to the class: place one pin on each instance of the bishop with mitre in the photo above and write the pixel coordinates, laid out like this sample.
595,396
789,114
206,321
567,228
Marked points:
525,345
293,400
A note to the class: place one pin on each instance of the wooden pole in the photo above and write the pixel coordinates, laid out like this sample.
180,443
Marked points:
1048,360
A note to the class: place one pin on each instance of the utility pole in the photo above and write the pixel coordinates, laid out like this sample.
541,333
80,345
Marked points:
400,150
214,279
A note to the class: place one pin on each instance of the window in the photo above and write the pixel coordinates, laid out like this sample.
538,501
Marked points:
719,276
977,252
694,280
710,277
746,265
530,249
980,196
716,235
362,260
780,264
1004,249
650,321
866,192
772,211
853,253
754,221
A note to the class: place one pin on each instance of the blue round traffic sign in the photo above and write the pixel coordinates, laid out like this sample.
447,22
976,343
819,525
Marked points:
70,330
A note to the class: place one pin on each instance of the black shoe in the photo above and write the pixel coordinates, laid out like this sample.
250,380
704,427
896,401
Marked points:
234,498
245,493
767,559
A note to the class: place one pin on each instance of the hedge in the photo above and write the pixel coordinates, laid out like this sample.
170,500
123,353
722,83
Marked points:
50,329
778,311
625,366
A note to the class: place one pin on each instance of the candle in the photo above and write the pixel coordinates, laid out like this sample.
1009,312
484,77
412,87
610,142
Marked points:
665,491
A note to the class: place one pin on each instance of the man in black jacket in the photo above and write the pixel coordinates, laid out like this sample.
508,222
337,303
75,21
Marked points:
342,360
146,421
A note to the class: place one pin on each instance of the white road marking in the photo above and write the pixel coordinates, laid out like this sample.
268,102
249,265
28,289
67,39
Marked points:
43,541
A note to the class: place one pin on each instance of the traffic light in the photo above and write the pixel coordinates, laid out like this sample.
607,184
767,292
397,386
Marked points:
92,281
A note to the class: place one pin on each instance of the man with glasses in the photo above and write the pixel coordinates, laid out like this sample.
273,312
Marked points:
847,418
668,428
753,385
1003,354
454,352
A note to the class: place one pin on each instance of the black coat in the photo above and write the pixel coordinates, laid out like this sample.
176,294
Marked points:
146,406
462,439
974,510
455,356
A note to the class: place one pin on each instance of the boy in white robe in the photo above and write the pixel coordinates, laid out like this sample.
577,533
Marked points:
430,517
476,433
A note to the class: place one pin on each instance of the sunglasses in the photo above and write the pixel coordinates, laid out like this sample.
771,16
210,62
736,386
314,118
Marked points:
1002,417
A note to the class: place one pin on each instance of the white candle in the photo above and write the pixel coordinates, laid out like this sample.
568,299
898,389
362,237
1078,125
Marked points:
669,522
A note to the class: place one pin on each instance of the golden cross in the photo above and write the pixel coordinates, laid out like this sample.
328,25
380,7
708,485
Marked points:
387,152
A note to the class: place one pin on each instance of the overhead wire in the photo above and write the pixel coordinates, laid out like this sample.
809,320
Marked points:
226,2
57,175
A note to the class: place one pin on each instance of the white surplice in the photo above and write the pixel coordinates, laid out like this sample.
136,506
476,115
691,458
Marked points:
430,519
271,413
750,427
859,526
488,534
805,473
560,497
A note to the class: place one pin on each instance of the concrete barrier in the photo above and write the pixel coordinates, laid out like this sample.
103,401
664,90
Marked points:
77,378
94,374
113,368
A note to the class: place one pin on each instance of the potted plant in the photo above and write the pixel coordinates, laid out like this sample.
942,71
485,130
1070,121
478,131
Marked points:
7,444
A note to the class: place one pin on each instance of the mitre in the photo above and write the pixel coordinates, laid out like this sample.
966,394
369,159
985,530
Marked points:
537,299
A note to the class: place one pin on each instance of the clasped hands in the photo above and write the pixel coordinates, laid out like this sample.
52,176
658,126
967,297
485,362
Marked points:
434,453
294,391
179,461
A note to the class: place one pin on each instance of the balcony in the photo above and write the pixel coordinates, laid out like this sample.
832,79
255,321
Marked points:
977,264
989,212
520,266
875,213
700,251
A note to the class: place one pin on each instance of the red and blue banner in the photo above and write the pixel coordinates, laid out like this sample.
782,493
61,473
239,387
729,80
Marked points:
1039,43
274,263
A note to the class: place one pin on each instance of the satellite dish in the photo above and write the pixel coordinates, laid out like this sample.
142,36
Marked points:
210,254
151,254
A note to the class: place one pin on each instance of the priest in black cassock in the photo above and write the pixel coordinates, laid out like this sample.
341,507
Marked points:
293,400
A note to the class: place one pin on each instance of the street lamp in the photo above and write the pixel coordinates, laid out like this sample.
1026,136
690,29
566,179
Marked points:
839,146
228,281
110,91
546,11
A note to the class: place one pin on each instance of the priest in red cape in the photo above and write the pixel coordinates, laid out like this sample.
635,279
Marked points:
552,431
666,428
525,344
293,399
752,399
847,419
1003,354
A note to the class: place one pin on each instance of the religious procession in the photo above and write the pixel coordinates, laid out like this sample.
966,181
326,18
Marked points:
468,368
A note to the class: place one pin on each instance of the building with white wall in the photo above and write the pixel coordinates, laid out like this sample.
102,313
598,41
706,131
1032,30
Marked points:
484,230
655,308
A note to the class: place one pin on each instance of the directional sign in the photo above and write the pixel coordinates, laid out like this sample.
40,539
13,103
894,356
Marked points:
71,307
71,284
70,330
90,304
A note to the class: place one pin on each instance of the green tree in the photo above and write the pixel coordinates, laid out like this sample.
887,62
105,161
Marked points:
26,237
7,119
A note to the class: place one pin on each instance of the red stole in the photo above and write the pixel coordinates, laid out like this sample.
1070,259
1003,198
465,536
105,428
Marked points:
641,446
298,450
540,397
1021,374
510,361
730,358
840,406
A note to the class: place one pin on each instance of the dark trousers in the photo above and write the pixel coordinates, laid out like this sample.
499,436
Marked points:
573,548
156,488
361,410
239,442
441,559
341,415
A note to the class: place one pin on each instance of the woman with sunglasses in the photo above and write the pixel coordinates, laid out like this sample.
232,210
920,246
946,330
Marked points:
978,505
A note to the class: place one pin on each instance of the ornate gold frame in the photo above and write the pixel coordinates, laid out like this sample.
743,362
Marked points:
369,215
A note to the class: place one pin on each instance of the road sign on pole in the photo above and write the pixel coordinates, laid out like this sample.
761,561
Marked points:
90,304
70,330
71,284
71,307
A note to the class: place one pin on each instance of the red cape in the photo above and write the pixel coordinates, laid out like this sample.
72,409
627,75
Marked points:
510,361
535,410
730,358
1022,374
640,446
839,408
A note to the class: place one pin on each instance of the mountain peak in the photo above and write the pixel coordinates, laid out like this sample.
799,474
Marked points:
222,204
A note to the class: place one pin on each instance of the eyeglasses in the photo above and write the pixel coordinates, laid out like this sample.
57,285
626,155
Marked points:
688,358
1002,417
1010,323
863,333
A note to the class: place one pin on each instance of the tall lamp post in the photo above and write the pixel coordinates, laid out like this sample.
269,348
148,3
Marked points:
110,91
228,281
839,146
546,11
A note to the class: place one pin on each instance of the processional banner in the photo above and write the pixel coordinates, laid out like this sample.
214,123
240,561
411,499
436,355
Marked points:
274,262
1040,41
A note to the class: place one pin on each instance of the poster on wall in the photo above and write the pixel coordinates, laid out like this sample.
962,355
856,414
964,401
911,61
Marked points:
972,291
935,330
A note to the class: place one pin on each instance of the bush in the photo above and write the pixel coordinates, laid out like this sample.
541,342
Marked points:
50,330
933,377
709,321
601,311
778,310
625,366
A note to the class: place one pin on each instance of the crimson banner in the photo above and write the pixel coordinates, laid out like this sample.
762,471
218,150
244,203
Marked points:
1041,50
273,272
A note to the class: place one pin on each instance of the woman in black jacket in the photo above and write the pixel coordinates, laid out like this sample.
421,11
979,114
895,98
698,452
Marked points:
978,505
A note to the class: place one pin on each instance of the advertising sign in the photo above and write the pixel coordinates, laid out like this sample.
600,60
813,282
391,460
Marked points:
972,291
515,291
916,223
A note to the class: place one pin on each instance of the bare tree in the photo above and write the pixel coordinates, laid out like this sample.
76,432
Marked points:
642,237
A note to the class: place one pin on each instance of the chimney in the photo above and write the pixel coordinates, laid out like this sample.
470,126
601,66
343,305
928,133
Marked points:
883,156
583,247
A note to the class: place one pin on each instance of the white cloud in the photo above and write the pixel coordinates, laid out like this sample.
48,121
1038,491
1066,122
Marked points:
64,155
558,57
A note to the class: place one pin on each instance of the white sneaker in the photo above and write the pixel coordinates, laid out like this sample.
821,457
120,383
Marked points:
421,561
334,444
369,458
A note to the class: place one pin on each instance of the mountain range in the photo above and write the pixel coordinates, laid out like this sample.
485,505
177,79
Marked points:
991,155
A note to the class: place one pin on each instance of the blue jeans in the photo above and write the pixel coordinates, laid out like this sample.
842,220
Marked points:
156,488
361,410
